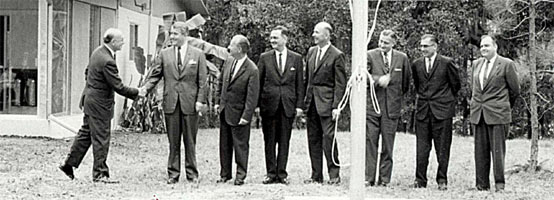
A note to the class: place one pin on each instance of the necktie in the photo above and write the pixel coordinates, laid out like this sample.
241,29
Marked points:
233,70
281,68
485,72
179,59
386,60
428,64
318,58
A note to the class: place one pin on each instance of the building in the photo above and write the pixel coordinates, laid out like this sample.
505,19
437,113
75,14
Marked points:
45,46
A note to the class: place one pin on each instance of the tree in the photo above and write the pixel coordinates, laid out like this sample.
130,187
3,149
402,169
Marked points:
510,19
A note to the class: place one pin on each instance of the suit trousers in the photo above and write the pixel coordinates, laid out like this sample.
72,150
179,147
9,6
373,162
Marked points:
386,127
179,124
432,130
233,138
277,130
320,140
94,131
490,140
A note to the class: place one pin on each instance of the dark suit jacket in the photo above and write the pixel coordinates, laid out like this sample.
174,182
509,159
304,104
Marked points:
494,101
325,82
102,80
239,96
187,86
391,96
287,88
436,91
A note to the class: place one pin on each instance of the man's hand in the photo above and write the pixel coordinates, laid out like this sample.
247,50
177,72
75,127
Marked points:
336,113
216,108
298,112
199,107
243,122
384,81
142,91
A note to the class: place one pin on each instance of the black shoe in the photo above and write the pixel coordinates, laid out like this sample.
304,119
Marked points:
192,180
269,180
383,184
284,181
499,187
239,182
443,186
334,181
311,180
369,183
482,188
105,179
67,170
172,180
419,185
222,180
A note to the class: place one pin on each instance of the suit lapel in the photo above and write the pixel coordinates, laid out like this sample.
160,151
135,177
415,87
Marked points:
173,59
476,73
185,62
324,57
381,61
274,63
288,65
241,71
435,64
494,71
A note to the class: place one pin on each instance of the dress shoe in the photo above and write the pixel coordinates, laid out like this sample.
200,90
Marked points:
499,187
419,185
105,179
284,181
192,180
369,183
239,182
68,170
482,188
334,181
443,186
383,184
172,180
269,180
222,180
311,180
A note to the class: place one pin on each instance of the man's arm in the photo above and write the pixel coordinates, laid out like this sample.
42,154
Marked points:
261,70
251,95
406,75
513,82
340,80
300,89
202,79
112,78
453,77
156,73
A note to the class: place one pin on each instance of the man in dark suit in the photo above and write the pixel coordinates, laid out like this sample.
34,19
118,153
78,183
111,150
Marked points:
436,82
281,98
390,69
184,70
495,88
98,99
237,93
326,83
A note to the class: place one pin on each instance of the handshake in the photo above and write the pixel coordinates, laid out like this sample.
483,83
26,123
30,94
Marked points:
142,91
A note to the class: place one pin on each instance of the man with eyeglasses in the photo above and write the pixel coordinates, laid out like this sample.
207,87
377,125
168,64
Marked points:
436,82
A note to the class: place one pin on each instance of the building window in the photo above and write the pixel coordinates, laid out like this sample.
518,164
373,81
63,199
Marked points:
133,40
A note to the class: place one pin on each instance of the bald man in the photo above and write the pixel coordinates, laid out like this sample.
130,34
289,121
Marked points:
102,80
236,99
326,82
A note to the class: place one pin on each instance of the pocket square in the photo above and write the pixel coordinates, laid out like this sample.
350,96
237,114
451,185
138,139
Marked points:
292,69
192,62
397,69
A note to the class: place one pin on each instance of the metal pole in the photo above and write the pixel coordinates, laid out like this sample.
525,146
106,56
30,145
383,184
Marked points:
358,100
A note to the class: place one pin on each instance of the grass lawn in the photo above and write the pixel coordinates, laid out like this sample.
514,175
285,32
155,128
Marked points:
28,170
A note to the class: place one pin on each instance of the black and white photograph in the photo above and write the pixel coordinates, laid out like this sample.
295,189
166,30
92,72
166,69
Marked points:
277,99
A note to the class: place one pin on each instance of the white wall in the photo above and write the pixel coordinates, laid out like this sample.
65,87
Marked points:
146,40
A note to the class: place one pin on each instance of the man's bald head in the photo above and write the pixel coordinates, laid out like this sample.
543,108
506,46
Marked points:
114,39
322,33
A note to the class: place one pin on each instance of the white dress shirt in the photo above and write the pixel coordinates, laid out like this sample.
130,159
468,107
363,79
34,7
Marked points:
483,73
283,58
238,65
